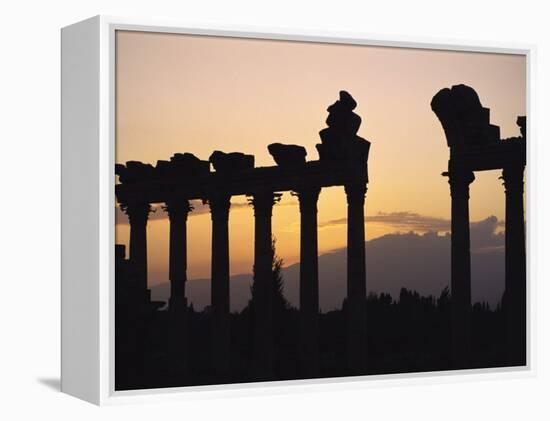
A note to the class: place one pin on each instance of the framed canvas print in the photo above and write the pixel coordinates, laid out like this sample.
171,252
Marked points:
243,209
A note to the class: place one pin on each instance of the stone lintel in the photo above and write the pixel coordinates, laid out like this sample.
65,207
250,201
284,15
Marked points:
493,156
246,182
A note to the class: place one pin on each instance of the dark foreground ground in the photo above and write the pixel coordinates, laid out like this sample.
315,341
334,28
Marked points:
408,334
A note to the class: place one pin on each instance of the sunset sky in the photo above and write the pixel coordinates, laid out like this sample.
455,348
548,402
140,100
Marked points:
181,93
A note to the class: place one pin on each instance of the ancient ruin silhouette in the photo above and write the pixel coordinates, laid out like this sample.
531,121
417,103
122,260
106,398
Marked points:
343,162
259,344
475,145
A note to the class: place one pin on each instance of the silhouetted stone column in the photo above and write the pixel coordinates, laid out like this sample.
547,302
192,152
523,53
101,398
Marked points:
221,358
138,213
357,291
515,297
178,211
459,181
309,283
263,284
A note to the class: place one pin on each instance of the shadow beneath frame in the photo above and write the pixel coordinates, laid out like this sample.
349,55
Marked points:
53,383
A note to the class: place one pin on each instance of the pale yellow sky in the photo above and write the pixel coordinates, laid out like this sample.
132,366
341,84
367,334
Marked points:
181,93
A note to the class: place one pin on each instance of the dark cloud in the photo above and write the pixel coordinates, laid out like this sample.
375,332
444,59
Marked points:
410,221
420,261
483,233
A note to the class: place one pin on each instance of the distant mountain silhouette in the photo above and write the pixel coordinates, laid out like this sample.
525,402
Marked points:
418,262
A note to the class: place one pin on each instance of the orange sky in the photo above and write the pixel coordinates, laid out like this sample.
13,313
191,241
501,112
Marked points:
181,93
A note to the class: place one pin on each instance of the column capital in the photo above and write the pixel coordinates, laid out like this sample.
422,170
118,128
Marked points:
138,213
219,206
355,193
460,181
177,208
263,202
307,198
512,177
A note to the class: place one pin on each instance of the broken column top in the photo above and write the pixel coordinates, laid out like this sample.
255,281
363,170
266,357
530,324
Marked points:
182,165
287,155
231,162
341,116
134,172
464,119
340,142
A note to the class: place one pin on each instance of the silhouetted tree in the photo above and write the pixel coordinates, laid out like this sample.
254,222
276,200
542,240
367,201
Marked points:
444,299
279,300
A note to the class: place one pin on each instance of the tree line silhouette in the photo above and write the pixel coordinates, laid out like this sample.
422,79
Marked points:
408,333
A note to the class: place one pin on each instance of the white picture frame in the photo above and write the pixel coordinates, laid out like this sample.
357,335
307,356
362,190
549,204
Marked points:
88,203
